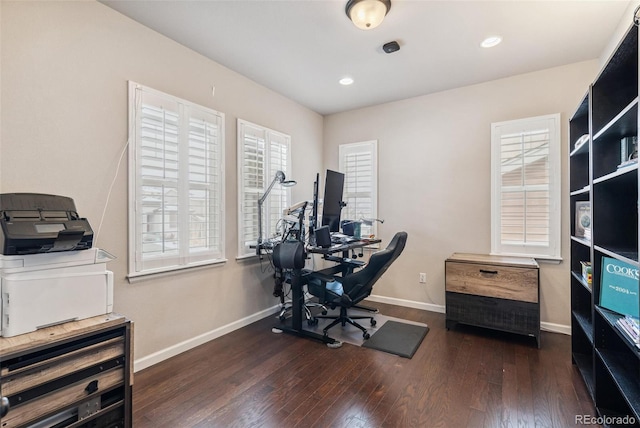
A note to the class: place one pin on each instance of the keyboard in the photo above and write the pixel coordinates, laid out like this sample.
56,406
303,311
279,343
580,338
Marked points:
339,238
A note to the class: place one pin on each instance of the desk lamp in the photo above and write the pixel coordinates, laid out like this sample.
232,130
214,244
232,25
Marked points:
279,178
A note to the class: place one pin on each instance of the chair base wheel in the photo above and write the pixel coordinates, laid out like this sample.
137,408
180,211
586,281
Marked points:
373,322
366,335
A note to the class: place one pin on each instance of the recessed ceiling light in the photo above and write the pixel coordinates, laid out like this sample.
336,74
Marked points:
491,41
346,81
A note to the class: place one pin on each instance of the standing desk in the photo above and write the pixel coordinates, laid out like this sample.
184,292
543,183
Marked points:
299,278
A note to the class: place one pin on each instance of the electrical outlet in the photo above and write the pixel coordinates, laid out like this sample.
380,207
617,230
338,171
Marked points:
423,278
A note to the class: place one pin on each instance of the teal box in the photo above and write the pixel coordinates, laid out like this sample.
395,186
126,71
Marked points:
619,287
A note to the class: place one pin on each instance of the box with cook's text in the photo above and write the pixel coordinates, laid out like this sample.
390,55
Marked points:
619,287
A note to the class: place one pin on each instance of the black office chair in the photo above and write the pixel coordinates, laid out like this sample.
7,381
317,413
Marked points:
356,286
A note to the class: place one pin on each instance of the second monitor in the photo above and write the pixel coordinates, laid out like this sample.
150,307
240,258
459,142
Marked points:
333,203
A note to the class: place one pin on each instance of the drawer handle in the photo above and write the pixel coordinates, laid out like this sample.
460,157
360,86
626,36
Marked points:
491,272
92,387
4,407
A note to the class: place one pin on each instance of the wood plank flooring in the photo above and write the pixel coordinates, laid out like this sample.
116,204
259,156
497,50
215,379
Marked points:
465,377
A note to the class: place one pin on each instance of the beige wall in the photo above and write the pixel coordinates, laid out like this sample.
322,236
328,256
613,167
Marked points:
434,175
65,67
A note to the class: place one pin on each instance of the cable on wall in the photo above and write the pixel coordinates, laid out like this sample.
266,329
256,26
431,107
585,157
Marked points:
137,100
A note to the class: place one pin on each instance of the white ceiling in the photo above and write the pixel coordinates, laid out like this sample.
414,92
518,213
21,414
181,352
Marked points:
301,48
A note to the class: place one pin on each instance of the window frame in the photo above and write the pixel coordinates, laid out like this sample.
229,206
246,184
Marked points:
552,251
275,141
185,256
367,148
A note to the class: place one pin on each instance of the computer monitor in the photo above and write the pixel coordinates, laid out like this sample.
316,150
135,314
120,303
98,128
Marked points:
313,219
332,203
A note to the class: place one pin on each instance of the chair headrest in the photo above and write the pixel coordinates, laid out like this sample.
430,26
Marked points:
289,255
378,264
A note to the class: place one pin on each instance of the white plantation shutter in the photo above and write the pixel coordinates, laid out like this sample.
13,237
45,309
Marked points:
261,152
176,183
251,182
526,187
278,198
359,163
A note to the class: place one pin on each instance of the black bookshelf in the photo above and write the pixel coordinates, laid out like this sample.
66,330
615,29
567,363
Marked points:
605,356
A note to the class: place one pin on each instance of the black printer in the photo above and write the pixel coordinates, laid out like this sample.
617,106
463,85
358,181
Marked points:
34,223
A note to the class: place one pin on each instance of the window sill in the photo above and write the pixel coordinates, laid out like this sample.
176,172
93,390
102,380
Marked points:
539,258
247,257
161,273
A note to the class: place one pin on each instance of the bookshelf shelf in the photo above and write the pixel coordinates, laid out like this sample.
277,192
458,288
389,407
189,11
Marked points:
585,323
611,318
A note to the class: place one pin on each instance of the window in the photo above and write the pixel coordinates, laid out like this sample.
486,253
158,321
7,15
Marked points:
525,198
359,163
261,152
176,183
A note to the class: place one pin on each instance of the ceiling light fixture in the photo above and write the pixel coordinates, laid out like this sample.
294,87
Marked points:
491,41
346,81
367,14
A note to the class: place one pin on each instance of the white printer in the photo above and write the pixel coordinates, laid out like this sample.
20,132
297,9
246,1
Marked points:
49,274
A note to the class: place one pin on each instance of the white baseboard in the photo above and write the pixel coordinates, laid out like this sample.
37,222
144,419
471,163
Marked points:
544,326
556,328
163,354
408,303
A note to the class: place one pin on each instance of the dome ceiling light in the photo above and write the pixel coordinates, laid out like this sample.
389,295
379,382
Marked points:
367,14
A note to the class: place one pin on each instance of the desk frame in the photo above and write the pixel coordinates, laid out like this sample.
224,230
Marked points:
298,281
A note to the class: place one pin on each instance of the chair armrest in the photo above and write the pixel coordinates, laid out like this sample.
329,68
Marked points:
354,263
319,275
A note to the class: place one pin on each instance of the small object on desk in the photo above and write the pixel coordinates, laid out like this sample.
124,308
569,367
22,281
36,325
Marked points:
323,237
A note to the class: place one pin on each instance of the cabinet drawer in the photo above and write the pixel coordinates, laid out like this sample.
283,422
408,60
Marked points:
69,395
504,282
506,315
16,381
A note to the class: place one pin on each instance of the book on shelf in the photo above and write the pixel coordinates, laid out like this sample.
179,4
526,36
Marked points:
586,271
631,328
619,287
583,220
628,151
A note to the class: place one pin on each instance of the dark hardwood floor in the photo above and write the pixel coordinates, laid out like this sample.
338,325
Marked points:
465,377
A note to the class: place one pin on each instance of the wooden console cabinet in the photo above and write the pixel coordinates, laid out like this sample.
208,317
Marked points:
76,374
501,293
